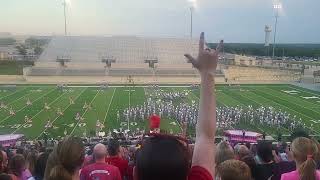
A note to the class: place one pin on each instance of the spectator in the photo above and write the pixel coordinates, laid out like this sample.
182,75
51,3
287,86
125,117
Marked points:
1,162
115,158
234,170
17,168
304,151
31,161
249,160
264,160
284,152
66,160
100,169
40,166
4,161
241,151
4,176
165,157
224,152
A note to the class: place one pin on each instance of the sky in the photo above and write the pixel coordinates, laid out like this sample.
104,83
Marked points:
232,20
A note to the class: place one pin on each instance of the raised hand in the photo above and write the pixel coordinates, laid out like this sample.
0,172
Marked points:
207,59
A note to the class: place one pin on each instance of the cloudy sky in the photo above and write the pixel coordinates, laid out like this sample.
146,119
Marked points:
232,20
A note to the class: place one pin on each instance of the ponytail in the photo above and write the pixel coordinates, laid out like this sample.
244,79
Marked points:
307,170
59,172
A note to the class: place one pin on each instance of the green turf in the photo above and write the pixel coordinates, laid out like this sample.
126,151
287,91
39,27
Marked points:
105,105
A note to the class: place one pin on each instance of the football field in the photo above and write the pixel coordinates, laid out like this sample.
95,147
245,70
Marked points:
105,103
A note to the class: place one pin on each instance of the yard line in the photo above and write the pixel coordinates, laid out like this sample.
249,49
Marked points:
129,107
59,115
290,102
243,105
84,113
304,90
17,100
105,117
172,88
296,97
289,109
27,105
38,113
260,105
13,93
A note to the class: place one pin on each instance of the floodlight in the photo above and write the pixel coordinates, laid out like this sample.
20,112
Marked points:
277,6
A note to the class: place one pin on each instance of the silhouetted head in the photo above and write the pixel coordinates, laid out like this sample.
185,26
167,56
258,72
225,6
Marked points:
162,157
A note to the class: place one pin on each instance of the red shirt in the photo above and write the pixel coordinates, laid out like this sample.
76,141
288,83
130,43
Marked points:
199,173
120,163
101,171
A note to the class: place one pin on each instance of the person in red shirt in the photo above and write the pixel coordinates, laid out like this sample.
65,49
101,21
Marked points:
100,170
115,159
165,157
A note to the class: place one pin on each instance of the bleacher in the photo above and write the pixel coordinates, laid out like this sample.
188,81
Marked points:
129,52
237,73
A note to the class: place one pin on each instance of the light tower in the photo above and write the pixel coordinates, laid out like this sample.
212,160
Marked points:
267,30
65,16
192,7
191,22
276,7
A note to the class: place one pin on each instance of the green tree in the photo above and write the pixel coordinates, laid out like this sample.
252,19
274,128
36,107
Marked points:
22,49
38,50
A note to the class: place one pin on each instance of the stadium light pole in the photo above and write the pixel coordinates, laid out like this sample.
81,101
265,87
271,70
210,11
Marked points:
277,7
191,21
65,17
192,7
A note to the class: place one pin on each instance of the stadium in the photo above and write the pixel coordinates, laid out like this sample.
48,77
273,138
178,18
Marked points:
109,78
121,90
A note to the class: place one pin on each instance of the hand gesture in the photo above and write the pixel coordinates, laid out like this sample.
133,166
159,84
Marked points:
207,58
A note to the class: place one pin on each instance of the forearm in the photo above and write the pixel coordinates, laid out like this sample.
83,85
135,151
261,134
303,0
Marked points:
204,150
206,125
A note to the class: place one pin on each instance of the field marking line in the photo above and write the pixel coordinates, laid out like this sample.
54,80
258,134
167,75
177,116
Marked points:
85,112
129,108
20,98
306,92
288,108
27,105
174,90
39,112
105,117
242,105
297,88
299,98
260,105
14,93
60,115
290,102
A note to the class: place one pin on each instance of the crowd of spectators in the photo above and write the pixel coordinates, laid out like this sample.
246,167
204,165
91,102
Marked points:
160,156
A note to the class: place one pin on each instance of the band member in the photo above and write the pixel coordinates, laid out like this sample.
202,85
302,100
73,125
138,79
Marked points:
71,101
27,119
49,124
2,105
99,125
29,103
59,112
11,111
78,117
85,106
46,106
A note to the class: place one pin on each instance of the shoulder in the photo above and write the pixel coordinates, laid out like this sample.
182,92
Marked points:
290,175
318,174
199,173
86,168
